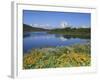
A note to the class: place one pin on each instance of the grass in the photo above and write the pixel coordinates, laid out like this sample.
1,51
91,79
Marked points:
63,56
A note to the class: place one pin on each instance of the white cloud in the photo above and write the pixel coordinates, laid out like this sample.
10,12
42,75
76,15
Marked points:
63,24
45,26
84,26
35,25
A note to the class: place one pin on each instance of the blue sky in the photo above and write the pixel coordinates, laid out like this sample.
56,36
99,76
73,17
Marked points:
54,19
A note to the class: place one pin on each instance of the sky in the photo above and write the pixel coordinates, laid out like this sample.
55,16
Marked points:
55,19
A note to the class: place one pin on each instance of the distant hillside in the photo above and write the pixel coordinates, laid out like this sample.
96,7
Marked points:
27,28
75,32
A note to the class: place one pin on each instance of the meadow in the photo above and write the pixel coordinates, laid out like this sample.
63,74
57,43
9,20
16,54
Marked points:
55,57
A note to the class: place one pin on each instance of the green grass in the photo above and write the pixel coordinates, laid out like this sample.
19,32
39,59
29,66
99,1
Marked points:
65,56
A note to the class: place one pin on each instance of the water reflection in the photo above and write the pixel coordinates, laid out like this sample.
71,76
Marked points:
44,39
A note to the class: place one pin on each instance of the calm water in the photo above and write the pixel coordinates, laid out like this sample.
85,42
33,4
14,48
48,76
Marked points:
43,39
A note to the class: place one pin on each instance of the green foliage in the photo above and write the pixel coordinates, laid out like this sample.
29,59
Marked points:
74,32
28,28
65,56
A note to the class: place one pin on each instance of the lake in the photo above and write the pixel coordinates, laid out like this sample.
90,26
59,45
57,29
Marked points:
44,39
